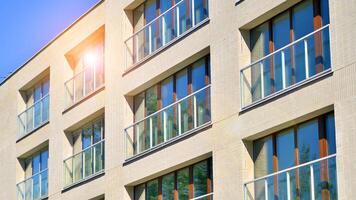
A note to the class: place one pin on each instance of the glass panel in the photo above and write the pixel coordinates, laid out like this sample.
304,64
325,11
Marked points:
184,15
89,79
200,10
78,87
152,190
99,68
45,88
259,48
183,184
37,108
140,192
262,156
168,187
184,117
87,137
44,160
308,146
77,167
45,109
282,61
98,157
285,152
36,186
200,176
44,183
151,107
167,27
36,162
330,133
303,24
169,129
200,100
97,135
88,162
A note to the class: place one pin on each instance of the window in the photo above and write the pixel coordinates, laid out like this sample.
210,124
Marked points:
158,22
88,153
37,108
35,185
289,48
296,145
87,65
172,107
184,184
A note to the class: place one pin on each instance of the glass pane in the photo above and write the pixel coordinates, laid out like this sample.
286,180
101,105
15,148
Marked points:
198,75
152,190
77,167
36,162
182,91
168,187
151,100
308,146
184,16
45,109
140,192
285,152
167,26
87,137
99,68
78,86
200,176
303,24
200,10
37,93
88,162
45,88
183,184
89,80
36,186
169,129
281,29
98,126
44,160
37,114
98,157
44,183
330,133
263,157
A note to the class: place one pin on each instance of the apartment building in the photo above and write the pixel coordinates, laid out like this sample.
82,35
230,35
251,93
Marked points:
187,99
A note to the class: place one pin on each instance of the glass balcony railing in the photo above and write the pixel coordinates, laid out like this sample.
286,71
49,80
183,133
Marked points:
34,116
285,68
83,84
84,165
179,118
165,29
33,188
311,180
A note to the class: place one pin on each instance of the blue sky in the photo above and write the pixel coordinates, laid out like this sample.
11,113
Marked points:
27,26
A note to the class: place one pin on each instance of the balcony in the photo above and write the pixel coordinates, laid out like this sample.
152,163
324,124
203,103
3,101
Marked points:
84,165
295,64
33,188
33,117
311,180
171,25
83,84
182,117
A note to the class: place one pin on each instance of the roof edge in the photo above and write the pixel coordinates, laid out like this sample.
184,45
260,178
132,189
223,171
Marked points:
51,41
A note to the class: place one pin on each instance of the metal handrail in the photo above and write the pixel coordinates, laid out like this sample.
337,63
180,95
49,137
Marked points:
80,152
171,105
154,20
38,101
77,74
202,196
288,45
291,168
38,173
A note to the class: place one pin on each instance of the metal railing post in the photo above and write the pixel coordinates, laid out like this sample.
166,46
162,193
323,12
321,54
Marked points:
312,191
284,82
306,58
266,189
